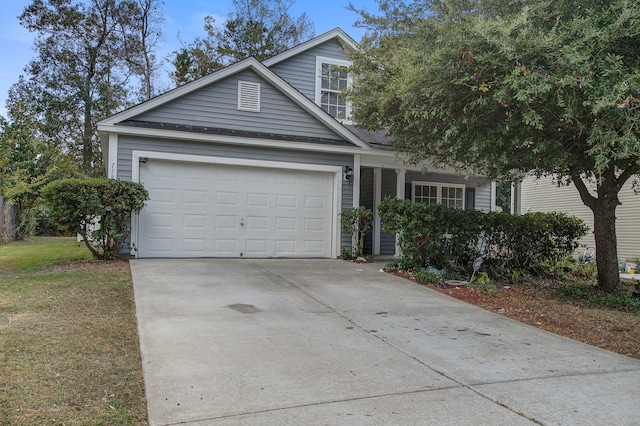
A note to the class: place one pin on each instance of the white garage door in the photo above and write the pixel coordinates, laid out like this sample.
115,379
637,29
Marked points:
212,210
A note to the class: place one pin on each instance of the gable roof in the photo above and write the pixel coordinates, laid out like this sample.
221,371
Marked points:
336,33
110,123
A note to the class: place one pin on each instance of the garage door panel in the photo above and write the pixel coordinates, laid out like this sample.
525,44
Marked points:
213,210
195,221
195,246
226,223
257,200
284,224
194,198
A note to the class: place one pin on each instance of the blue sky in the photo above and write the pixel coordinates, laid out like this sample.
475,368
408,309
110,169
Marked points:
183,17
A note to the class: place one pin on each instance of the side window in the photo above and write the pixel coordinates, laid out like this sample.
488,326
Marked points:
449,195
333,79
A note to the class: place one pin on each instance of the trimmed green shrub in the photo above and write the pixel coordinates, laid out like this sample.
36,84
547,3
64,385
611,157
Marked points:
79,204
444,237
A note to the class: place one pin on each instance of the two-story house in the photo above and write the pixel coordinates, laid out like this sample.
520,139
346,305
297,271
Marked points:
259,159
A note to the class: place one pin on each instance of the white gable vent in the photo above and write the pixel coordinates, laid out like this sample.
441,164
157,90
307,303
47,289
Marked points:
248,96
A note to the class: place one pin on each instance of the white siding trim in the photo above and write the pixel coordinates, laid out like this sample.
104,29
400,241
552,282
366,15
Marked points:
356,181
337,33
137,156
233,140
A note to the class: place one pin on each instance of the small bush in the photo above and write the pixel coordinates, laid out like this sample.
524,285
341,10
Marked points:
592,296
79,203
426,277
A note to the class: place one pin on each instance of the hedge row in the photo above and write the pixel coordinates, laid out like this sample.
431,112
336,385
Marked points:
444,237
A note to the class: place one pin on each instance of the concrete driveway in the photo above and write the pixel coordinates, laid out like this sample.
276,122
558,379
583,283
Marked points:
327,342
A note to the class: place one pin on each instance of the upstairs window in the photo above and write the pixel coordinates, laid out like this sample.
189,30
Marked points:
448,195
333,80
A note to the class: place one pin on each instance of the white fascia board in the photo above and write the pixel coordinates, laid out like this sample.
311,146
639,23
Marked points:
230,140
338,33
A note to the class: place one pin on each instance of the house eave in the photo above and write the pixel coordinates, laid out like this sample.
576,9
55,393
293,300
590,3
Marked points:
336,33
106,129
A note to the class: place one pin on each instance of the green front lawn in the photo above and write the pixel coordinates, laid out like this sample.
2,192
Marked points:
68,338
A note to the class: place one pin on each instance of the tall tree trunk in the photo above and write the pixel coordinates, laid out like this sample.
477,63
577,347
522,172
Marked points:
604,226
1,214
604,230
87,137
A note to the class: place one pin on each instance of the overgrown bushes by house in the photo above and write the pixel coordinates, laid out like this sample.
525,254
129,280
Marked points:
98,209
444,237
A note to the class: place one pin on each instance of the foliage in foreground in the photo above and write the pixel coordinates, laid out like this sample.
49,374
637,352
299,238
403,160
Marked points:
445,237
356,221
68,338
627,299
80,204
503,87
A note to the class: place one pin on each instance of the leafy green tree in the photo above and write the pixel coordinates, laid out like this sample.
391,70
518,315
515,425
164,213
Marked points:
26,164
84,67
146,17
509,87
257,28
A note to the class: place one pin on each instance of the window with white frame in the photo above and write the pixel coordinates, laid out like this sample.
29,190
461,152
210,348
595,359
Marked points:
333,79
449,195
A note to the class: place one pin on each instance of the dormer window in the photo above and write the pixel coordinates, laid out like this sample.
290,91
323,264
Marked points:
333,79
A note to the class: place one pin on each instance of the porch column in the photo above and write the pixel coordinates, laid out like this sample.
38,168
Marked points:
377,197
493,196
112,171
400,194
355,181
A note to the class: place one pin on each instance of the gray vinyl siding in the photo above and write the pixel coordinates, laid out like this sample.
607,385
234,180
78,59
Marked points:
542,195
366,200
216,106
300,70
127,144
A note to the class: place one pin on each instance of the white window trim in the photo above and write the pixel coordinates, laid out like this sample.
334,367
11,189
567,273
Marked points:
248,89
341,63
438,185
